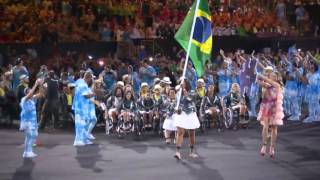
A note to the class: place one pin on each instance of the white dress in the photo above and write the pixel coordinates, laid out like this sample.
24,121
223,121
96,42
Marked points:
168,124
186,121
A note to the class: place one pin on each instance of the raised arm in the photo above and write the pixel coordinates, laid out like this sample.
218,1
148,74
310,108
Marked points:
267,81
311,56
31,92
222,54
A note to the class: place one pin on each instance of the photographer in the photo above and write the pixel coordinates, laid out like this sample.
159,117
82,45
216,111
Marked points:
50,107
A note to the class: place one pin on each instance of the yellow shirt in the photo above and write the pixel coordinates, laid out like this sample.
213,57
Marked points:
69,99
201,92
157,97
2,93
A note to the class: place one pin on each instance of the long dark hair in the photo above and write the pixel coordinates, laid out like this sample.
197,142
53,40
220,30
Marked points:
116,89
187,85
215,90
125,96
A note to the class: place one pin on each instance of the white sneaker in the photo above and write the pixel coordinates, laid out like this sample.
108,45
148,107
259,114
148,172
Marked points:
193,155
79,144
294,118
89,142
90,136
308,120
29,155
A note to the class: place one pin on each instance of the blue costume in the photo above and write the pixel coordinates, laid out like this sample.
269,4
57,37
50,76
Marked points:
236,77
71,78
254,93
109,80
16,76
191,76
209,79
83,112
29,124
224,82
254,98
291,98
135,82
312,97
302,88
148,74
92,120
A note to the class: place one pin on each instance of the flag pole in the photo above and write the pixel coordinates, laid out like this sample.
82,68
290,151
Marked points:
188,54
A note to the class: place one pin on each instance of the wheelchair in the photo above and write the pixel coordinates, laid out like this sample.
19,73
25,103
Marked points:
125,126
207,121
155,124
158,119
233,119
108,125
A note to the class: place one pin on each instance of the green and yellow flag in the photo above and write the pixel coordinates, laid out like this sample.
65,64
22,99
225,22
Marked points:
201,45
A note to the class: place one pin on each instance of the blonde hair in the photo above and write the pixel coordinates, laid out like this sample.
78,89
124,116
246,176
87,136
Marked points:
235,85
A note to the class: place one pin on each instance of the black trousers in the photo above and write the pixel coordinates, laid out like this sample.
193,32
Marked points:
50,109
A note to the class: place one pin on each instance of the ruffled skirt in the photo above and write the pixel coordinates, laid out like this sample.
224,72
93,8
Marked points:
272,111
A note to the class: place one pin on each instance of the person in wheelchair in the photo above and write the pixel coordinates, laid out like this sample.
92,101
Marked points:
113,105
237,103
211,107
127,109
101,97
158,104
144,89
146,105
165,84
66,101
199,94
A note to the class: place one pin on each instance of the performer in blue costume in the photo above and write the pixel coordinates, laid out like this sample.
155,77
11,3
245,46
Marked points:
135,80
28,116
312,94
109,77
18,70
291,98
191,75
92,120
224,80
147,73
83,111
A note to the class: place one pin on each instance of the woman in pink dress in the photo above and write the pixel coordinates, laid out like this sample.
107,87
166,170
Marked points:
271,110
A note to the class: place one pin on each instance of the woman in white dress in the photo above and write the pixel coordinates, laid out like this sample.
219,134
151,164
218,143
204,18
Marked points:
186,119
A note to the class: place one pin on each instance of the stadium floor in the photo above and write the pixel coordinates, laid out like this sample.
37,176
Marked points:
228,155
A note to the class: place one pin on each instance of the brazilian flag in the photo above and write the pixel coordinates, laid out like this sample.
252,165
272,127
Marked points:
201,45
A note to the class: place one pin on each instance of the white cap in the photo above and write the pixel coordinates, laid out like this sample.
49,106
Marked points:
125,76
120,83
166,80
200,80
156,80
269,68
144,84
157,87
